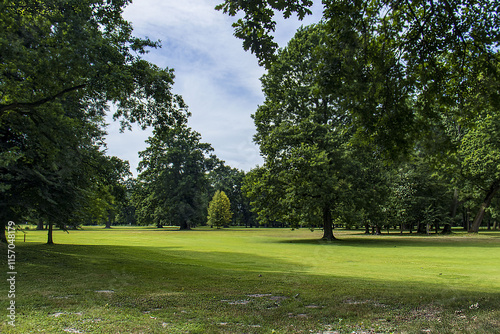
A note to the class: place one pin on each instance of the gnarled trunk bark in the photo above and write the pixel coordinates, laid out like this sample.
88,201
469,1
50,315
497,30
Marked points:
482,209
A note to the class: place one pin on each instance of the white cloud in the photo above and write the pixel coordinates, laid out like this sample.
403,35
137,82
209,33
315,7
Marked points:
218,80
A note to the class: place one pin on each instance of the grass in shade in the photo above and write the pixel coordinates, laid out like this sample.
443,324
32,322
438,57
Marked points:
146,280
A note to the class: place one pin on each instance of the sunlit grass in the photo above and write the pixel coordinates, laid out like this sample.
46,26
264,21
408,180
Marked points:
136,279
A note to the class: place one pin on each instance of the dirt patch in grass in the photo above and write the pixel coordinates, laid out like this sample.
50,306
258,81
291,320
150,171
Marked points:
364,302
104,291
260,295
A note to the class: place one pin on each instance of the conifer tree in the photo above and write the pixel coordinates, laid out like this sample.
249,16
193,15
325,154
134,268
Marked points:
219,210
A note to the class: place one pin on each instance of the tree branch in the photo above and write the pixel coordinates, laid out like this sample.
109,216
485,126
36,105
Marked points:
16,105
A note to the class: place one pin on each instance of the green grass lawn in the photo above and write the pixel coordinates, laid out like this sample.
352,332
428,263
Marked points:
147,280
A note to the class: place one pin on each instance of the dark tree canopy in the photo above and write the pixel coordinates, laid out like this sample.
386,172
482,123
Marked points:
63,62
411,61
51,48
173,182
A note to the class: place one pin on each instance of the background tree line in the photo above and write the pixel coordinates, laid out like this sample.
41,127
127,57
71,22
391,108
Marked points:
384,114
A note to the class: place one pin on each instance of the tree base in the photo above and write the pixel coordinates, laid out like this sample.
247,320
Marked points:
446,229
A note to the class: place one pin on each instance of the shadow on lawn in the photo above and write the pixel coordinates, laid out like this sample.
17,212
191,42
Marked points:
155,260
396,240
134,275
119,285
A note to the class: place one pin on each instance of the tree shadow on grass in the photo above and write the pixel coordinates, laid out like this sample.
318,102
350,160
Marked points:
167,280
82,264
388,241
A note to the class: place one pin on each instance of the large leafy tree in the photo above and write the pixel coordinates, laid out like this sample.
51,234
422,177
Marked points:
413,60
402,68
312,166
116,174
52,164
51,48
480,150
63,62
173,181
465,149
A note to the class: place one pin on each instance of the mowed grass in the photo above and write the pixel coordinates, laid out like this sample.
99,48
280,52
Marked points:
147,280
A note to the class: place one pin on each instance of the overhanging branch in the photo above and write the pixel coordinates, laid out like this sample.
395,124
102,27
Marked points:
15,105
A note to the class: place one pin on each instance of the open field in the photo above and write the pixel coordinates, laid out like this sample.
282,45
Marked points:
147,280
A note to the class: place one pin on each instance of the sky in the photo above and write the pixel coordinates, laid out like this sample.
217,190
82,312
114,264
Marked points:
217,79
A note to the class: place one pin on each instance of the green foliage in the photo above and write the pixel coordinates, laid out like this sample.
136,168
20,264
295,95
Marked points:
256,35
313,169
219,210
480,151
173,181
230,180
59,170
418,195
402,77
63,64
53,48
397,66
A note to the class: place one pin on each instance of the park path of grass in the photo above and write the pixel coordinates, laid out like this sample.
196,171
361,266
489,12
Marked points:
196,270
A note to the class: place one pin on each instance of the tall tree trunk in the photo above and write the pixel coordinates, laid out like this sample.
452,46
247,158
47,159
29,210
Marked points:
39,225
109,222
465,219
422,228
482,209
327,224
367,228
50,240
185,225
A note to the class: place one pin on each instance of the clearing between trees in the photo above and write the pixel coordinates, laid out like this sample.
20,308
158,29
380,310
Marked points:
148,280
